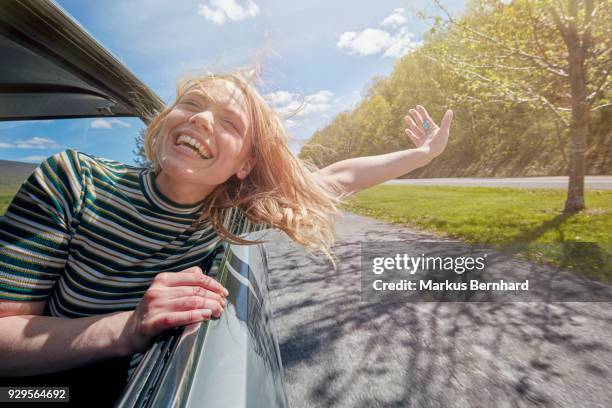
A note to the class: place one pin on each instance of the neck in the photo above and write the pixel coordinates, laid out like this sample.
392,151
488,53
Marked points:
182,193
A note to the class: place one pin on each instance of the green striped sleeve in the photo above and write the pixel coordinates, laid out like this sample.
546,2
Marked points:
35,230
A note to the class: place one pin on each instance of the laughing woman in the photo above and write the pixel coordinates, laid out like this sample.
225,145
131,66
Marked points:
98,257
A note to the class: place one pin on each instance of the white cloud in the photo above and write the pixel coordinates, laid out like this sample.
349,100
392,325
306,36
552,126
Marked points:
34,159
395,19
402,45
289,104
290,123
321,97
294,107
393,43
33,143
278,98
108,123
367,42
374,41
220,11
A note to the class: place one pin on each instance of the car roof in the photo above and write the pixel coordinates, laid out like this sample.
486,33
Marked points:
52,68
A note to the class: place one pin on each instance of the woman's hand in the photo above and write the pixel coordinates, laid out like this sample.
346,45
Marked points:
425,133
174,299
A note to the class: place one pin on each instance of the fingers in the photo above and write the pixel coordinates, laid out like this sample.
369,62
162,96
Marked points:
446,120
186,291
160,310
189,278
424,115
193,269
412,125
415,138
195,303
417,117
175,299
170,320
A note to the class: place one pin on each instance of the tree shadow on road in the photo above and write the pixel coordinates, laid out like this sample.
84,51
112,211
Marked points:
339,351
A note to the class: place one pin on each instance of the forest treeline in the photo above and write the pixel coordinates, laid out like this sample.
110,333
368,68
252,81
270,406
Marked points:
503,68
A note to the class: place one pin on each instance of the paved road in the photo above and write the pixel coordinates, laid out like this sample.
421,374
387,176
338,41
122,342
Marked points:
591,182
338,352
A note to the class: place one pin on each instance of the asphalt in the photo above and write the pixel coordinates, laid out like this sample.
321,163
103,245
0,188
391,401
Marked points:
340,352
557,182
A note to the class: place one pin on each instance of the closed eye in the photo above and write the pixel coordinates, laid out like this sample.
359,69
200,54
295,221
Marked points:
229,122
190,104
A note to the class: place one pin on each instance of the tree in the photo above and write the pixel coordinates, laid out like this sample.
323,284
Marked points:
512,116
139,153
559,60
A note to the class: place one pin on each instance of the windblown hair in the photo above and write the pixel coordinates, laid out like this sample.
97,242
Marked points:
281,190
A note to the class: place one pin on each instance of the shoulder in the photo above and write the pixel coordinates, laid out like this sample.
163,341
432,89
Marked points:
72,162
65,162
90,169
54,190
100,163
57,175
76,170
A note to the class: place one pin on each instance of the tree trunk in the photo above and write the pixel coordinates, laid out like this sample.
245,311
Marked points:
579,129
579,125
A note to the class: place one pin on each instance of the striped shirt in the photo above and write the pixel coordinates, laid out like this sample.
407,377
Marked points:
89,235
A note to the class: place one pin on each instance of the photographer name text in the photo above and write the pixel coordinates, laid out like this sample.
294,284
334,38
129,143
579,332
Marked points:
448,286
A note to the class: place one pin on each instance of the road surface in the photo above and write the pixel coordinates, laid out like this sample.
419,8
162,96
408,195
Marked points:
339,352
591,182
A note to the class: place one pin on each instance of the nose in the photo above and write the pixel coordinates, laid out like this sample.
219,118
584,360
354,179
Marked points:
204,119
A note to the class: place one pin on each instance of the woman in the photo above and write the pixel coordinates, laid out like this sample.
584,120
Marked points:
108,252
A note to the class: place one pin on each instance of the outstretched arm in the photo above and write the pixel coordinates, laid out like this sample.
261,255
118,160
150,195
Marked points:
359,173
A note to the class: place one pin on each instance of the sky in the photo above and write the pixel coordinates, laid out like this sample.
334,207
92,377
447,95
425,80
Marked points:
323,53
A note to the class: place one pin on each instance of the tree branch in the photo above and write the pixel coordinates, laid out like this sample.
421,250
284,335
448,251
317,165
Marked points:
535,34
560,26
601,106
605,82
587,39
542,63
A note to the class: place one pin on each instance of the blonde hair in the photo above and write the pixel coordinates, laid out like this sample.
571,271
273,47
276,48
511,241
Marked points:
281,189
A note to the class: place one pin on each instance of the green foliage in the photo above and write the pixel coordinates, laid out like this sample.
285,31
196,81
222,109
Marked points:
502,67
139,154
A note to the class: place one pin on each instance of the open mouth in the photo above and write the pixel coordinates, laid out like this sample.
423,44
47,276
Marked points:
191,146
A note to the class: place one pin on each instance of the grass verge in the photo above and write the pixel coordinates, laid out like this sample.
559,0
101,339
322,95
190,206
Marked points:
6,196
530,221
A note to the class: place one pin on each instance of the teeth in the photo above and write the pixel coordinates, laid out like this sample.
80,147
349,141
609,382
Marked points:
188,140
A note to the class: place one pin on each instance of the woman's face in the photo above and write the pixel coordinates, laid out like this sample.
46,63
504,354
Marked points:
205,141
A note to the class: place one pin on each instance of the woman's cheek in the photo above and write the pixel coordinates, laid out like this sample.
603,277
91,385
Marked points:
175,118
234,146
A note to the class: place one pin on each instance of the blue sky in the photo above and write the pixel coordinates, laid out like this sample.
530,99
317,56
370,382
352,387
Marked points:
325,51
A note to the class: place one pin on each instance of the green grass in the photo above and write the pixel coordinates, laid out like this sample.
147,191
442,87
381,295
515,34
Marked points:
6,195
529,222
